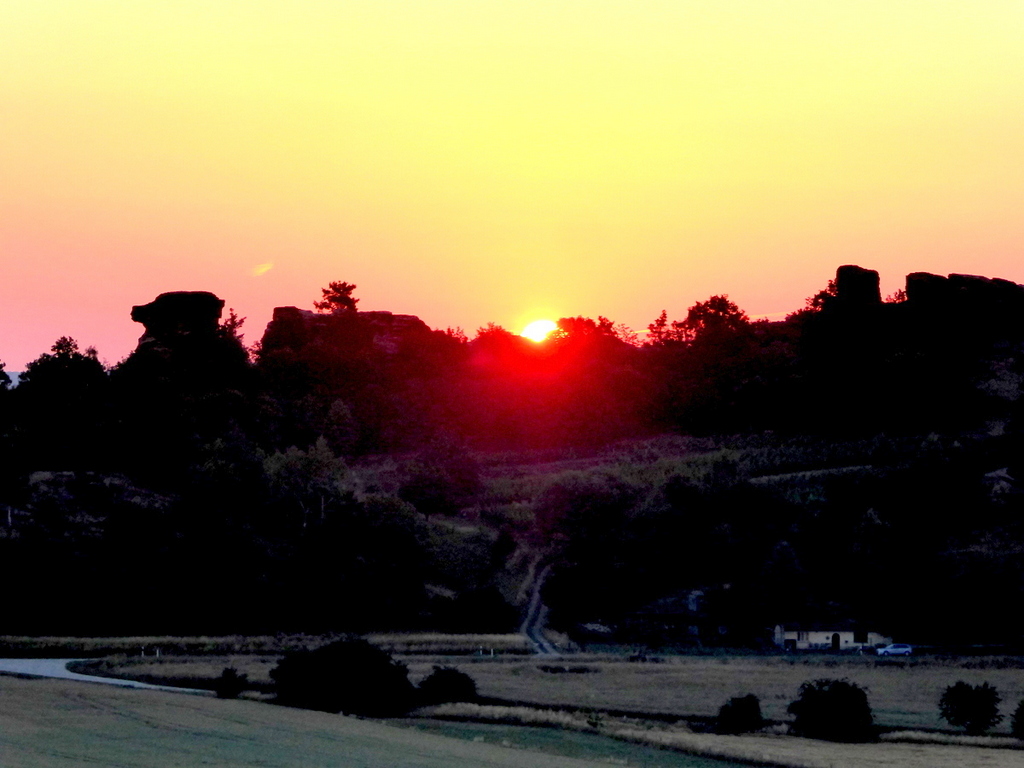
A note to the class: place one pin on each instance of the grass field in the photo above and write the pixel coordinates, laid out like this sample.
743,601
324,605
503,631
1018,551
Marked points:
902,694
53,724
757,749
396,642
56,724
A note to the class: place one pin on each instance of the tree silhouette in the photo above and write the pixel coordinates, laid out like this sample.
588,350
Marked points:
740,714
821,299
446,684
61,398
350,676
714,318
337,298
662,332
834,710
973,707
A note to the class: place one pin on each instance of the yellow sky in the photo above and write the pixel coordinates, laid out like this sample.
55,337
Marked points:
495,161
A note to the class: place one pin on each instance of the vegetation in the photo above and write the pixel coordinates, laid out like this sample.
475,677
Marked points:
972,707
740,714
230,684
447,684
1017,721
349,676
903,697
416,477
834,710
337,298
754,750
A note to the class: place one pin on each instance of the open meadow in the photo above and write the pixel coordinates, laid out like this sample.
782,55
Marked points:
903,694
55,724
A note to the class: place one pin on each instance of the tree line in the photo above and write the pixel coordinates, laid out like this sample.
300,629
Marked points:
203,480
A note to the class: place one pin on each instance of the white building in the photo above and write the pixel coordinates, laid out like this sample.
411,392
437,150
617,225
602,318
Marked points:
826,637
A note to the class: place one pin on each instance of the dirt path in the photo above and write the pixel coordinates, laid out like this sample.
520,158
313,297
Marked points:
58,668
536,618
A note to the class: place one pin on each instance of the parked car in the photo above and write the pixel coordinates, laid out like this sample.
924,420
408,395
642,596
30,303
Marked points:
896,649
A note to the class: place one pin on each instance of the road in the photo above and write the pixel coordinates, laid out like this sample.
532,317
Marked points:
536,618
58,668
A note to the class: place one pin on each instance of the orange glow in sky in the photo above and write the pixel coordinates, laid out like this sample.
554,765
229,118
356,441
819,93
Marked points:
496,161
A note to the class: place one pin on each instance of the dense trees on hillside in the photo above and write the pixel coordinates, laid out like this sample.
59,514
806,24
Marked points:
210,482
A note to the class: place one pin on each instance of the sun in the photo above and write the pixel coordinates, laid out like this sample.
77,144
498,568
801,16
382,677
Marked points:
538,330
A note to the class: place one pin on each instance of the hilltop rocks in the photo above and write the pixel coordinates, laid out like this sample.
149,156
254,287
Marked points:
857,287
991,307
992,304
172,316
185,343
927,290
295,329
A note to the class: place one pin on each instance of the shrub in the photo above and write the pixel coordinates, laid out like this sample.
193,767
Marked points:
974,707
740,714
447,684
230,684
350,676
1017,723
836,710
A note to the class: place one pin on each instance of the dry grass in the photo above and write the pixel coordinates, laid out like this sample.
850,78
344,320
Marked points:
758,749
196,645
699,685
183,671
901,696
224,645
437,643
572,721
959,740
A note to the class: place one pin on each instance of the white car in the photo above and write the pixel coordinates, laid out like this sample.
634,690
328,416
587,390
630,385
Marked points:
896,649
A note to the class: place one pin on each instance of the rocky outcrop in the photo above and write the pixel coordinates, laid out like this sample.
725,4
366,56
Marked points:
184,347
974,304
172,316
969,297
857,288
295,329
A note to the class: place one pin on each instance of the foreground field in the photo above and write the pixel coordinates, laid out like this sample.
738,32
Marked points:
49,723
903,694
764,749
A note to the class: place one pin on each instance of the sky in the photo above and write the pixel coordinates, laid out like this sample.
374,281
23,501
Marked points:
470,161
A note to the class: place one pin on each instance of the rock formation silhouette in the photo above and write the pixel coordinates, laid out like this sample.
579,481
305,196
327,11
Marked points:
171,317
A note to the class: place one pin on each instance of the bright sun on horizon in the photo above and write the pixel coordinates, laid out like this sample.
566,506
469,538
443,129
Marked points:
476,162
539,330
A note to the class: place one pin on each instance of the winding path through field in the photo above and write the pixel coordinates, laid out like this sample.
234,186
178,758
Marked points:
58,668
536,617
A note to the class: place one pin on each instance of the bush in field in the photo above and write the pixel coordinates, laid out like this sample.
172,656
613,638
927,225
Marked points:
447,684
349,676
835,710
741,714
230,684
1017,723
974,707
